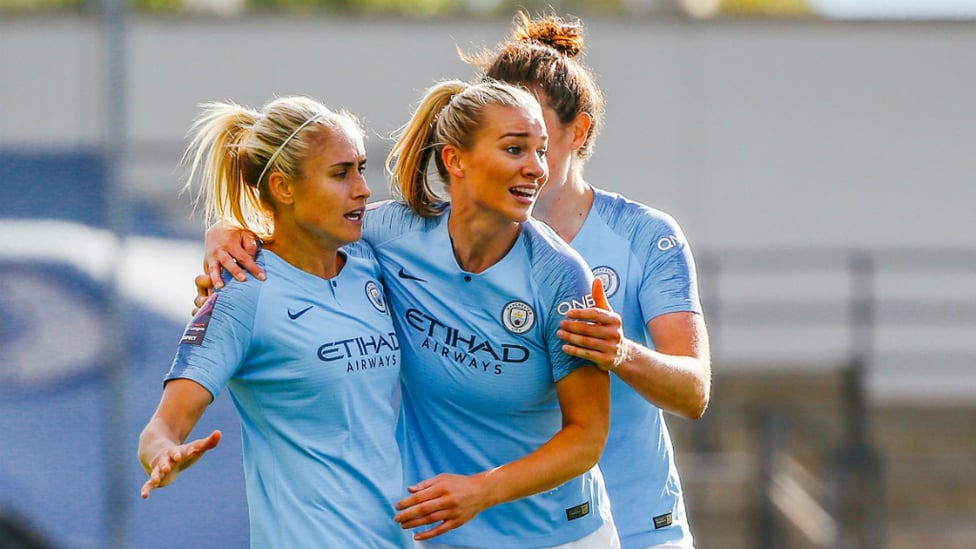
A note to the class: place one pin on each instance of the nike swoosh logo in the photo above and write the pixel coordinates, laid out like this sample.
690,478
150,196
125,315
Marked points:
293,316
408,276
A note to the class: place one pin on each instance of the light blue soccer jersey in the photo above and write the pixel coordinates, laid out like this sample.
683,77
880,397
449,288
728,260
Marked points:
312,366
480,359
648,270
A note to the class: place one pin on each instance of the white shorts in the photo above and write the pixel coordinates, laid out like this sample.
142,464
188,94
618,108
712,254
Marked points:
605,537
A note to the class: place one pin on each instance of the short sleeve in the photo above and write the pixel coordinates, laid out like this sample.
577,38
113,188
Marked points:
668,279
215,342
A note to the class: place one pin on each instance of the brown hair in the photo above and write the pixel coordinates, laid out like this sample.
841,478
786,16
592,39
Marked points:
543,54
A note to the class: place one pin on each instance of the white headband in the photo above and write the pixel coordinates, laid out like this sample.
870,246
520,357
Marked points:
282,146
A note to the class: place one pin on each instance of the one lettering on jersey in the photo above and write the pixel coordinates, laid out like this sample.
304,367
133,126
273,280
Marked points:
360,346
583,302
470,350
665,243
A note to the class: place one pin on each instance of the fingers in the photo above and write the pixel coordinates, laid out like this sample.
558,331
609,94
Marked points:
232,264
213,273
438,510
149,486
168,465
215,437
600,295
250,245
206,444
162,466
204,285
596,337
423,506
422,485
252,267
593,315
445,526
423,514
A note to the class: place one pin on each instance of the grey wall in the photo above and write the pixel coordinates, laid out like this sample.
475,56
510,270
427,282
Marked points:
755,135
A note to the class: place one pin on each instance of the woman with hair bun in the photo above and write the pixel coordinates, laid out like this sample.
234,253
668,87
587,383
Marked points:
310,357
657,346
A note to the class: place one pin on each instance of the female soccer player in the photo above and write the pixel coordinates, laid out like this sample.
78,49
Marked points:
310,357
500,429
657,348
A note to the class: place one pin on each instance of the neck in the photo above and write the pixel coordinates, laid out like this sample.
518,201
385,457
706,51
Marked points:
478,241
564,206
303,253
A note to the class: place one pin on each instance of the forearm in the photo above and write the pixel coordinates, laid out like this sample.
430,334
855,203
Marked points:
570,453
179,410
677,384
584,401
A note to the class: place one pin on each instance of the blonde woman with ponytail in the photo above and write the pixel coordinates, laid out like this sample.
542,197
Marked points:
310,357
500,429
657,347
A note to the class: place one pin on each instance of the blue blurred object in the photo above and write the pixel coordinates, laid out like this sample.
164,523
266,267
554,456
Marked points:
56,458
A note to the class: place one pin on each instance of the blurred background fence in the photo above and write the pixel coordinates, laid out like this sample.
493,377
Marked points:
822,170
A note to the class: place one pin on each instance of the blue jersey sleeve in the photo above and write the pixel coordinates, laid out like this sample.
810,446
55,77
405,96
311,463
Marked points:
216,340
564,282
668,282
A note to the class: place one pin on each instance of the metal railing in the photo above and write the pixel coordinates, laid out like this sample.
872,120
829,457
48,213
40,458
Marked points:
825,484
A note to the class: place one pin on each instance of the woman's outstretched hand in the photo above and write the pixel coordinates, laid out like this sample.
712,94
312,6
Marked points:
167,465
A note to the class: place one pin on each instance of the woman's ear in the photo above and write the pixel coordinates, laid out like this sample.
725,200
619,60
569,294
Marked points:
453,160
581,129
281,187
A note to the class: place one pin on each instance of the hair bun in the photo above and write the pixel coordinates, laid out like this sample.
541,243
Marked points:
565,37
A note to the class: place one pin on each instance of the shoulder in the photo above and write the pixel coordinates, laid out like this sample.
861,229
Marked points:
543,244
554,264
390,219
270,263
361,258
359,250
645,227
629,215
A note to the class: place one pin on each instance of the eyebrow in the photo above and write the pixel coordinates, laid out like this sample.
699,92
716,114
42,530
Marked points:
347,164
519,134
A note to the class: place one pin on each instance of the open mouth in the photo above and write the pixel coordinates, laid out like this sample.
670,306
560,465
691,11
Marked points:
355,215
524,192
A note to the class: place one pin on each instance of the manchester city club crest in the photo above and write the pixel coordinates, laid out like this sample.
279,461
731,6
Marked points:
376,296
611,282
518,317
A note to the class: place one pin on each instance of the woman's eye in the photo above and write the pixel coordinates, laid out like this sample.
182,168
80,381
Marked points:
514,149
542,153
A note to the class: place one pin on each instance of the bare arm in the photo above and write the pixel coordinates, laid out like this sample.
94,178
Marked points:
453,500
161,450
233,249
676,376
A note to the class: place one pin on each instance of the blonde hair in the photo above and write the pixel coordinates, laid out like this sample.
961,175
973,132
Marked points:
235,149
450,113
